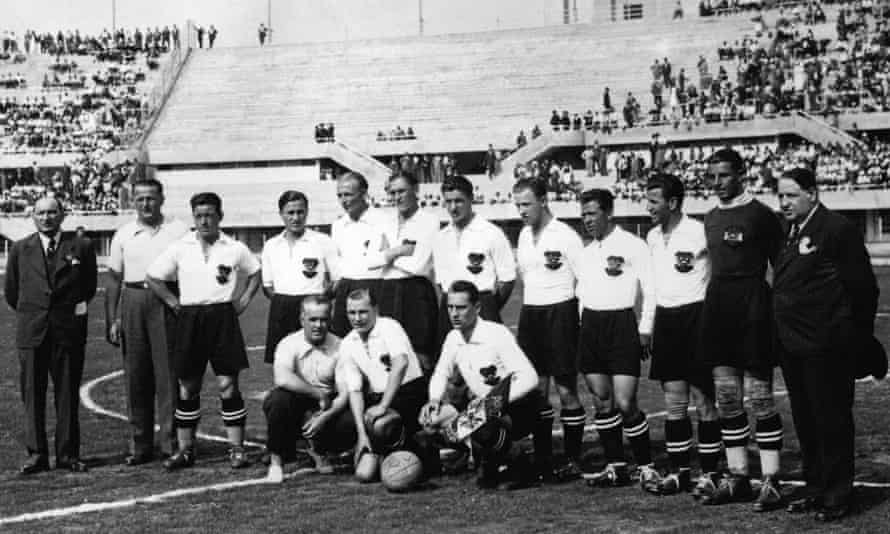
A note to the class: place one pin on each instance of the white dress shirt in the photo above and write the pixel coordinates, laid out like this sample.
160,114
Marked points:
680,263
480,246
299,268
357,241
209,279
490,355
628,255
371,360
316,365
548,266
135,246
421,228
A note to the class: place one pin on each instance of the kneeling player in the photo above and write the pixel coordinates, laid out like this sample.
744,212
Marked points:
382,374
611,345
484,354
681,269
306,400
207,264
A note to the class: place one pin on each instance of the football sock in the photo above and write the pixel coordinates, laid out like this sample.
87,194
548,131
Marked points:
736,431
188,413
233,412
678,441
637,432
542,436
709,441
573,431
768,433
608,425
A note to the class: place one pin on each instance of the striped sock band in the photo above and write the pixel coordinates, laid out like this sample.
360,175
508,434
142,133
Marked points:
769,433
637,432
608,425
233,411
709,445
678,441
188,413
735,430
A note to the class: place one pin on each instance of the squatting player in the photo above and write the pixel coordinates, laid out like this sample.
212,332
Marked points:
744,237
681,271
381,372
548,257
306,400
208,264
485,353
617,270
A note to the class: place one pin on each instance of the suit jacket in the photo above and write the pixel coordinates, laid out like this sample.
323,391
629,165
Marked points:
44,296
824,290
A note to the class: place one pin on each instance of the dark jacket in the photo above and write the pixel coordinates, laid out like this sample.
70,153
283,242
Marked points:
44,296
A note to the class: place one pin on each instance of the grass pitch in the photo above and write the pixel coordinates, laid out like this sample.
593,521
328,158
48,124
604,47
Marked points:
146,499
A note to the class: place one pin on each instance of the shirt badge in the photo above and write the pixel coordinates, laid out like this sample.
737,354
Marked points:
310,266
734,236
223,273
806,246
475,260
683,262
553,259
614,265
386,360
490,375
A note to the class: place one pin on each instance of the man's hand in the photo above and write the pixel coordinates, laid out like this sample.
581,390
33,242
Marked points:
372,413
646,342
314,425
429,413
113,333
362,446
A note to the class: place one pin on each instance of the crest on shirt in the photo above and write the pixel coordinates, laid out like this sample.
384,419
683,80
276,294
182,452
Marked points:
475,259
734,236
310,266
223,273
553,259
386,360
683,263
409,242
490,375
614,265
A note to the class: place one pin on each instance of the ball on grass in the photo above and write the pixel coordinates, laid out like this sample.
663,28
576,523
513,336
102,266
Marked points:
367,469
401,471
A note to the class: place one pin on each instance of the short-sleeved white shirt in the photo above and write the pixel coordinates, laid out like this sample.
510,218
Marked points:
490,355
422,228
481,247
316,364
370,360
357,243
680,265
204,280
301,268
134,246
548,266
599,291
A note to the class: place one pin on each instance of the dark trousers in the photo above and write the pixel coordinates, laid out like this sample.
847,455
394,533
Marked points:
287,412
820,388
148,366
64,364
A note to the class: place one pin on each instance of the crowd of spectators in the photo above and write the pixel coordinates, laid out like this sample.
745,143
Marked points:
324,132
211,33
397,134
123,42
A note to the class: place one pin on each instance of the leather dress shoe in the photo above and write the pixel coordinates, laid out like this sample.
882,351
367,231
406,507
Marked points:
802,505
827,514
74,465
138,459
35,464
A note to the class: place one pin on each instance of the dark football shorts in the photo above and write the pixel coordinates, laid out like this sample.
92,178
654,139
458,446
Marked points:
208,333
609,343
737,325
676,340
549,337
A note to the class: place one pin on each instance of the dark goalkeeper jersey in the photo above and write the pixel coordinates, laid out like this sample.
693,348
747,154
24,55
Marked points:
742,239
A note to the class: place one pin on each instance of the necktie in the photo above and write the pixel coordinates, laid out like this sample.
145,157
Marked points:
51,248
792,234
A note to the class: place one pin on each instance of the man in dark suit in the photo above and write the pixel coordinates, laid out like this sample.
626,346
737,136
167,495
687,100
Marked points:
825,299
50,278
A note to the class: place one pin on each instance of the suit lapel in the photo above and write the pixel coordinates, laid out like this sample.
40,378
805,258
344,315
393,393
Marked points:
36,257
790,251
63,251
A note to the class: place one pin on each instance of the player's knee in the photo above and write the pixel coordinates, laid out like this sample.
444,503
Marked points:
704,405
729,396
763,402
677,404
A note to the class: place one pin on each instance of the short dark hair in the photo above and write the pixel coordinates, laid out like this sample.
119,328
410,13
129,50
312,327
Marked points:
359,179
458,183
361,294
537,187
149,182
206,199
803,176
316,300
603,197
464,286
670,185
728,155
409,177
292,196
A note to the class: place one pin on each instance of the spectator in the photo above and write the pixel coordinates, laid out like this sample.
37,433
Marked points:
211,35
